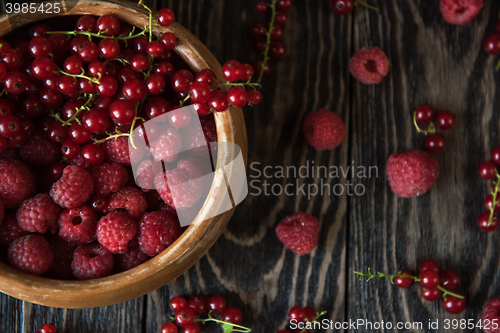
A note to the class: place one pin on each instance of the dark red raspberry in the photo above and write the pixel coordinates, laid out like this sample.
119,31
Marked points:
132,258
16,183
118,151
168,145
369,65
324,129
163,207
10,230
78,225
115,230
298,232
78,161
38,214
157,231
108,178
130,199
91,261
145,174
74,187
38,150
181,187
460,11
2,212
61,265
31,254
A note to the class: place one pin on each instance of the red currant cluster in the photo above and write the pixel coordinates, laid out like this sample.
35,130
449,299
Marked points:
491,43
186,313
488,170
267,38
434,284
344,7
305,316
237,95
445,120
46,328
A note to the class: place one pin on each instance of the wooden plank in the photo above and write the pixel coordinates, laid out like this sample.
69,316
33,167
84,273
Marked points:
444,65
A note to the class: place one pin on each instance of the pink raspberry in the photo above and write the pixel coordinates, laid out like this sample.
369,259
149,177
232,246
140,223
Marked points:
130,199
10,230
369,65
16,183
38,150
491,314
197,142
91,261
78,161
108,178
146,172
78,225
38,214
157,231
412,173
61,265
460,11
167,146
115,230
323,129
299,232
118,151
2,212
132,258
181,187
74,187
31,254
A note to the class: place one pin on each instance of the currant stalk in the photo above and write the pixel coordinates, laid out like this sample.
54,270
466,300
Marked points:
100,34
75,116
430,129
266,57
83,76
496,200
358,2
392,276
226,326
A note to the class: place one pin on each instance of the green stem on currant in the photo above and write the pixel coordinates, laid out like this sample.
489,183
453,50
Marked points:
91,79
150,26
242,84
498,66
226,326
100,34
75,116
358,2
494,193
3,92
431,129
181,103
313,321
119,59
266,58
392,276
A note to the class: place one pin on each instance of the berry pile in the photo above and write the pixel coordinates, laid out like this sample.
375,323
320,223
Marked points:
488,170
187,315
72,103
434,284
445,120
344,7
491,43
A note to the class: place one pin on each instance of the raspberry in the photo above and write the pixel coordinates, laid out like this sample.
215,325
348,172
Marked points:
78,225
132,258
91,261
118,151
115,230
323,129
298,232
167,146
38,150
74,187
108,178
31,254
181,187
61,265
196,141
369,65
163,207
145,174
491,314
16,183
2,212
157,231
412,173
460,11
131,199
10,230
38,214
78,161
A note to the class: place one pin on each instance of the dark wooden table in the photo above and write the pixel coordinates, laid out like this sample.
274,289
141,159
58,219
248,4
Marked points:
431,61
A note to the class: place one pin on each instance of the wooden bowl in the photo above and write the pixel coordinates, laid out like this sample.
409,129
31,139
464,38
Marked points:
199,236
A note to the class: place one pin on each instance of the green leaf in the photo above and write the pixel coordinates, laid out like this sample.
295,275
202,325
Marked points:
228,328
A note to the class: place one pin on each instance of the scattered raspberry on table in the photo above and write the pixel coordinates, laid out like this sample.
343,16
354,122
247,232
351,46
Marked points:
323,129
299,232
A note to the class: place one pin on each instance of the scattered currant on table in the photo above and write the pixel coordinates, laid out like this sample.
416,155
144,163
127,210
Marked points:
434,284
46,328
445,120
344,7
303,317
488,170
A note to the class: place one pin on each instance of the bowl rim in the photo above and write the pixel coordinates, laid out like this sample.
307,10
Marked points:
196,239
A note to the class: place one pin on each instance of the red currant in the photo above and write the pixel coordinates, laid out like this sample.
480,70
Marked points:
198,304
17,140
168,328
495,155
311,313
491,44
277,33
450,279
39,30
122,111
58,133
156,106
429,264
107,86
27,126
9,126
257,64
429,279
488,203
180,117
70,149
93,154
435,142
181,80
67,85
200,92
109,48
281,17
139,63
6,109
431,294
12,59
258,30
488,170
168,40
206,76
184,317
284,4
40,46
277,50
50,98
108,25
231,70
73,65
15,82
254,97
47,328
155,49
237,96
403,282
343,7
43,68
78,133
86,23
166,17
201,109
260,45
3,71
218,101
424,113
193,328
232,315
484,219
99,204
155,84
86,86
217,304
261,6
74,44
454,304
164,68
60,43
246,72
297,314
445,120
140,44
95,120
134,90
88,51
56,170
177,303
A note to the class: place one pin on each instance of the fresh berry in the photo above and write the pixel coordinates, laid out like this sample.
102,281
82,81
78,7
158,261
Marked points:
343,7
177,303
145,174
184,316
237,96
218,100
198,304
460,11
118,150
488,203
217,304
16,183
232,315
412,173
130,199
369,65
488,170
403,282
452,304
10,230
424,114
38,214
166,17
181,80
297,314
70,149
450,280
311,313
323,129
168,328
115,230
93,154
74,187
429,264
435,143
430,294
132,258
429,279
193,328
157,231
77,225
484,222
31,254
99,203
299,232
167,146
38,150
445,120
495,155
179,117
231,70
108,25
91,261
108,178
